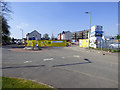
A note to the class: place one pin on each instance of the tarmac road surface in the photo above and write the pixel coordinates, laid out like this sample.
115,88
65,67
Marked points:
69,67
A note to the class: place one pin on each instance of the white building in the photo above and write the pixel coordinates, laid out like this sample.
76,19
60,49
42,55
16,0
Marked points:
34,34
96,35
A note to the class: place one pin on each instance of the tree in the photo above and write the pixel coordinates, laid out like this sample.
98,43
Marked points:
5,33
118,37
13,39
46,36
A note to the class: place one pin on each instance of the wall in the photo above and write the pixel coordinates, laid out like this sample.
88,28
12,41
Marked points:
63,37
59,37
107,44
96,35
46,43
36,35
84,43
68,36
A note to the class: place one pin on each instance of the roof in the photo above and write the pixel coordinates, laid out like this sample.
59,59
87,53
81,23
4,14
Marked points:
32,32
65,32
35,31
81,31
59,33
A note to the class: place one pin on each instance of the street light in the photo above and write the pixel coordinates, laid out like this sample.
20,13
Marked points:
89,26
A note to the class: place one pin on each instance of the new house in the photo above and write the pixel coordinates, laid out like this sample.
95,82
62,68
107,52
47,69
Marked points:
34,34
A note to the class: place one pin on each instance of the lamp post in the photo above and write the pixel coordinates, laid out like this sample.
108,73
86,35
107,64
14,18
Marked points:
89,27
22,35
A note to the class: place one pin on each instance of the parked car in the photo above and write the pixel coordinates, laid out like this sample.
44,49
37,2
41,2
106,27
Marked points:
4,43
114,46
8,43
19,43
13,42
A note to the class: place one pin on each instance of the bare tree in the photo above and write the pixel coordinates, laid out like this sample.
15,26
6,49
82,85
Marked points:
46,36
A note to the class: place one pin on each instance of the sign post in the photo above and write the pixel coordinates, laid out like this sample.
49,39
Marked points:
101,45
33,41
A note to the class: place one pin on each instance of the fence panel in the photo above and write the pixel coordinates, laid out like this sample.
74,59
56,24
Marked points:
109,44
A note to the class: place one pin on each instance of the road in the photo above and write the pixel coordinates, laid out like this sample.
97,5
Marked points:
69,67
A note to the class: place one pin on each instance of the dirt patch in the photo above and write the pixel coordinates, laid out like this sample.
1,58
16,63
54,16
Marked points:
23,50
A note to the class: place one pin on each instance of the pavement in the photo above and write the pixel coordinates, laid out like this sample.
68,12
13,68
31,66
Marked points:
63,67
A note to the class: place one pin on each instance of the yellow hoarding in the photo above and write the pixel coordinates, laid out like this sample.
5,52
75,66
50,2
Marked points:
46,43
83,42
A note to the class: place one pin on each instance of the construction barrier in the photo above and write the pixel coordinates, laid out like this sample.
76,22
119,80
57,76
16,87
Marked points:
46,43
84,42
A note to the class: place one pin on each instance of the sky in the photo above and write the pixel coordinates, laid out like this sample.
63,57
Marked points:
55,17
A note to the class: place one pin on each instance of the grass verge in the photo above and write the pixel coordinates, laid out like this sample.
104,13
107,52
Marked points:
22,83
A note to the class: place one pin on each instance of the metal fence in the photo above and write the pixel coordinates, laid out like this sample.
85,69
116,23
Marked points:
109,44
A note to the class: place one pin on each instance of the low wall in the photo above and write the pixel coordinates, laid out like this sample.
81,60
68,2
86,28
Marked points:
46,43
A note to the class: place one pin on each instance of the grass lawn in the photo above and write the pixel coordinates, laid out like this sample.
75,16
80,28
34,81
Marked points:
22,83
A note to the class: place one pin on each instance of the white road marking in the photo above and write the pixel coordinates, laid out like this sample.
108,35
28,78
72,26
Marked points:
76,56
48,59
27,61
62,57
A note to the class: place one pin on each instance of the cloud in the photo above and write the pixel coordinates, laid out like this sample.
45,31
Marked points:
22,25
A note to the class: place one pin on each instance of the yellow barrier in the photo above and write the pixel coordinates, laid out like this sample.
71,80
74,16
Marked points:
46,43
83,42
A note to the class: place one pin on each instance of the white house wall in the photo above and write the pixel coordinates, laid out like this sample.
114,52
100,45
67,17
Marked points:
36,35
